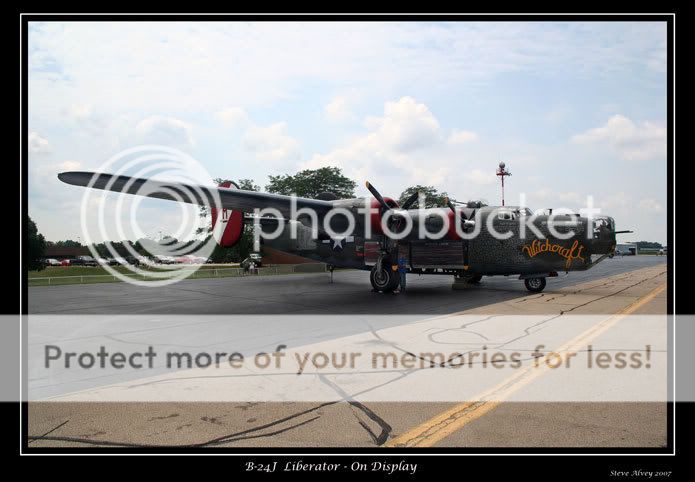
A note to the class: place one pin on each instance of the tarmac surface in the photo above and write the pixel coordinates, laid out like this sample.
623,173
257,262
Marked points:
69,415
304,293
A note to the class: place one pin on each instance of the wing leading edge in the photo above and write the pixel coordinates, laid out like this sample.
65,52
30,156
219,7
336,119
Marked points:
237,199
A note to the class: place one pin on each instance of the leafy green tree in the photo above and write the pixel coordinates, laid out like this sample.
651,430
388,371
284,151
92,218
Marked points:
120,248
236,253
36,247
311,182
433,198
248,185
648,244
68,243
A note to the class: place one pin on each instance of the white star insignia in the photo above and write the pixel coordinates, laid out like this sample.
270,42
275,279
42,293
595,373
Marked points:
338,243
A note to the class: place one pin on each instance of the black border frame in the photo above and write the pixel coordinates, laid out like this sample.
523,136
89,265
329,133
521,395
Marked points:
376,451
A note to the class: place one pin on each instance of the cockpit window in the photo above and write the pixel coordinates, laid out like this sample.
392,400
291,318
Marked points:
602,225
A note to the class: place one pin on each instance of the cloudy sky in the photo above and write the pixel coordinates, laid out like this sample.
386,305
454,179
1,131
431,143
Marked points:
574,109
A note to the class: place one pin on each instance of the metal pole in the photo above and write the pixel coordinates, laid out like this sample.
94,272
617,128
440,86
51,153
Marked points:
502,173
502,191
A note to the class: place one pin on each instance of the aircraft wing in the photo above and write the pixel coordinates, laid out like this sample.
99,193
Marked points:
236,199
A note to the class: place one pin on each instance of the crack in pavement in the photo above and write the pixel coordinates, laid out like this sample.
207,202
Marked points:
35,438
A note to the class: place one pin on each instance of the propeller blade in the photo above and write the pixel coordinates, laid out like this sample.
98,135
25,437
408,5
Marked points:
378,197
409,202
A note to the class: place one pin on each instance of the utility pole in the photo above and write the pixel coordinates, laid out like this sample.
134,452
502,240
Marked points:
502,173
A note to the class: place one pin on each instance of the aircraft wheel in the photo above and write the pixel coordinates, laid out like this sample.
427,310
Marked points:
384,280
535,285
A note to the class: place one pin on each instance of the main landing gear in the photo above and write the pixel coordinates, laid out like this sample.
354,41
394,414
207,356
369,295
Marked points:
535,285
383,278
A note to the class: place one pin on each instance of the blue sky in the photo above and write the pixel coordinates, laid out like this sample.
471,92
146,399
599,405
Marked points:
574,109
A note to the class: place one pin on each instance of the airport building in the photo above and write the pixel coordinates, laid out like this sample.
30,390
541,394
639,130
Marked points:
626,249
62,252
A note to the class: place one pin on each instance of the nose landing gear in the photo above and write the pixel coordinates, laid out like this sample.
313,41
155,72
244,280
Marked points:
535,285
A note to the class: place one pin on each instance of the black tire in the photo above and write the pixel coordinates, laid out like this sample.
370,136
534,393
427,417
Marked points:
475,279
386,280
535,285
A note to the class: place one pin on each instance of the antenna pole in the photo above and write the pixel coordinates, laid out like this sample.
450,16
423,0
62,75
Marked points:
502,173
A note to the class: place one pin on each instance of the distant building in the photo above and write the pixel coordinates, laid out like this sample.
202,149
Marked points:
62,252
626,249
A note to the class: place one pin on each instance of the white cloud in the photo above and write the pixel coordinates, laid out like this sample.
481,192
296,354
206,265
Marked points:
460,137
405,126
164,130
233,116
70,165
338,109
271,143
404,146
480,177
80,111
87,120
560,201
205,65
616,200
630,141
650,206
37,144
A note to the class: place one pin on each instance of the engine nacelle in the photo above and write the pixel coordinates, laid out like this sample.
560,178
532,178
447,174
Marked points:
375,217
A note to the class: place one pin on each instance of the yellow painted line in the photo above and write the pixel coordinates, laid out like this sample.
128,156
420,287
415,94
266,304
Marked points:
441,426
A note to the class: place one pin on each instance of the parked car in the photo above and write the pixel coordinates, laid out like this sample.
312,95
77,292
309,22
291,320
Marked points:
663,251
192,259
65,262
51,262
162,259
84,261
